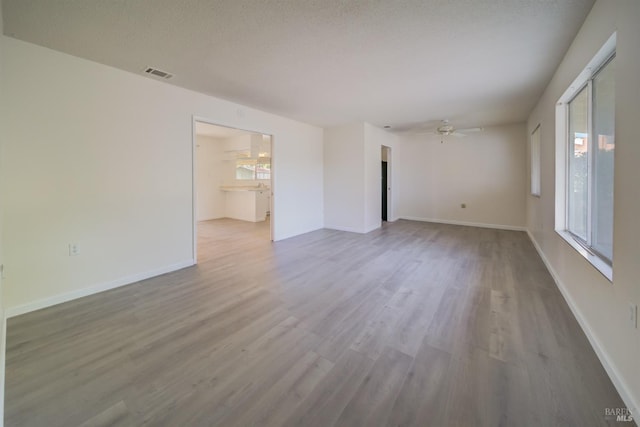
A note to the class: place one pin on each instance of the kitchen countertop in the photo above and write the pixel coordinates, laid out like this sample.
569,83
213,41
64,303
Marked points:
243,188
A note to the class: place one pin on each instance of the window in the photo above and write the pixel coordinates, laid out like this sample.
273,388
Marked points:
588,136
590,168
253,169
535,162
263,168
245,169
578,183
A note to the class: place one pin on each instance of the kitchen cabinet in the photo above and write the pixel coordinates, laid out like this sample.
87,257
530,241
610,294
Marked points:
247,203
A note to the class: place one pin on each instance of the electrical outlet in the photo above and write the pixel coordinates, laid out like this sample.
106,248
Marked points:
463,206
633,315
74,249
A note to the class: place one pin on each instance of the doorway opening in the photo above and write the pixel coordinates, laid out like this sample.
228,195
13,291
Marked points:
232,188
385,181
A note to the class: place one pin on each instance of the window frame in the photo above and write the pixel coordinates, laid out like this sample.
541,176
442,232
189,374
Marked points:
241,162
584,81
583,242
255,163
535,162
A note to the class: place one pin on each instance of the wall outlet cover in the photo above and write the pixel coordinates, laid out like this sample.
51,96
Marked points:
74,249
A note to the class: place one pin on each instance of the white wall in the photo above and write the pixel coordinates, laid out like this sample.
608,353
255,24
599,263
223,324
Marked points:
484,170
3,322
103,158
600,306
209,177
352,162
344,169
241,143
375,138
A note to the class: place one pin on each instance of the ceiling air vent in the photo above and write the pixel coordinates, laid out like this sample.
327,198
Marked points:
158,73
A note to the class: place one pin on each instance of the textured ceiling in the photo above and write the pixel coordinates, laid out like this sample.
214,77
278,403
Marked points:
326,62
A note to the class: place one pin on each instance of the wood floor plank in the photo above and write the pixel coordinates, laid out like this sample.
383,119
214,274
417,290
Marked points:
414,324
273,408
325,403
372,402
115,416
333,346
424,391
443,329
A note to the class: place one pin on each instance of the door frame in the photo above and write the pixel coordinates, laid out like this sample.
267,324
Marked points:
384,172
194,212
390,212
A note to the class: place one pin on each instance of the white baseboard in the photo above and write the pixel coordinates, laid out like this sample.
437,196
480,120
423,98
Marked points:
370,229
605,361
440,221
3,358
90,290
278,237
340,228
469,224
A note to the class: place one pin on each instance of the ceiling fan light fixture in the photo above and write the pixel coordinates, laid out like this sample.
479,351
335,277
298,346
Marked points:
447,129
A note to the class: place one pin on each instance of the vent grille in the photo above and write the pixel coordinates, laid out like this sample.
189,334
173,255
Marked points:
158,73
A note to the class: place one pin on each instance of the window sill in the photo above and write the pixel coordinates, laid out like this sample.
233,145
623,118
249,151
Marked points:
605,269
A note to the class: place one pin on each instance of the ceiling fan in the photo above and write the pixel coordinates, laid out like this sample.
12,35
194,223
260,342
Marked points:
447,129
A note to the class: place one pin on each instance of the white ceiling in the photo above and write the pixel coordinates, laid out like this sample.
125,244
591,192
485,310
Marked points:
326,62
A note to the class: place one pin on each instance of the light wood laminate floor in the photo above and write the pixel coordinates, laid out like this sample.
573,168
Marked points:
415,324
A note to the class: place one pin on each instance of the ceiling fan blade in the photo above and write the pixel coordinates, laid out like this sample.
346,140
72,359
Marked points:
470,130
423,132
457,133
